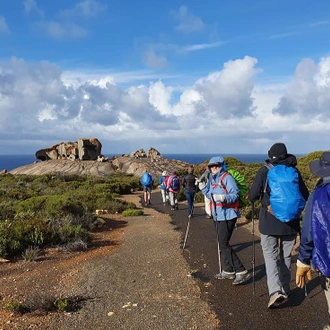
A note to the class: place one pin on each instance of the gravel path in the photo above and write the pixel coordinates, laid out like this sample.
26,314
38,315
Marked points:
145,284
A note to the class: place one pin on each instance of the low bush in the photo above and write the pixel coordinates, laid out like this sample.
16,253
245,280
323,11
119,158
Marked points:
132,213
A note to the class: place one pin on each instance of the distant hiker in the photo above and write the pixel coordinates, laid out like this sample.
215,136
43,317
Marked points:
315,236
163,190
207,202
189,182
278,237
147,181
173,187
225,214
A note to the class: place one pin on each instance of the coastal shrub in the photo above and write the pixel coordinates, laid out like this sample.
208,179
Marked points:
70,233
22,231
132,212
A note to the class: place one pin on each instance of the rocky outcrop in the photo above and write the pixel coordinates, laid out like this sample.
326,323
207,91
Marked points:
152,153
89,161
123,164
83,149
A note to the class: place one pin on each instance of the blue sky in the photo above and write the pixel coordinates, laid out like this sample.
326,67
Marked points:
183,77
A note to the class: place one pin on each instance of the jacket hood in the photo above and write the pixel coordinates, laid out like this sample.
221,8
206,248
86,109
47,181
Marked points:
288,160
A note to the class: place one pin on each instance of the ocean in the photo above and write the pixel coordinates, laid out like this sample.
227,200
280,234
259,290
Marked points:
9,162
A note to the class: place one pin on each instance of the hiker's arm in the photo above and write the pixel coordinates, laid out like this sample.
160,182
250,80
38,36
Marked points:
256,190
306,239
302,187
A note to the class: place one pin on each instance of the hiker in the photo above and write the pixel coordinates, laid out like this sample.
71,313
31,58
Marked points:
315,236
207,201
163,190
277,237
189,182
173,186
224,200
147,181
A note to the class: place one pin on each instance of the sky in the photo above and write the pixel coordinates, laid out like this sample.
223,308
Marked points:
222,77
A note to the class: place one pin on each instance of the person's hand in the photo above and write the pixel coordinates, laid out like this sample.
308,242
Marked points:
301,273
201,185
269,209
219,198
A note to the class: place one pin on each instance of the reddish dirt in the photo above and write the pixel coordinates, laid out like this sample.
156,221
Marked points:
23,281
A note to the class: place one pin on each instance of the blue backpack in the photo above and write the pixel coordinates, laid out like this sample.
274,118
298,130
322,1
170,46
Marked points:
285,197
175,183
146,179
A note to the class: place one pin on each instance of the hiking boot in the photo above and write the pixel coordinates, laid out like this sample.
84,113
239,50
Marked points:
225,276
164,204
172,208
176,207
241,277
208,217
277,299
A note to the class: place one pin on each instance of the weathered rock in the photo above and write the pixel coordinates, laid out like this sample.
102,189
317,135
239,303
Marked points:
4,171
122,164
84,149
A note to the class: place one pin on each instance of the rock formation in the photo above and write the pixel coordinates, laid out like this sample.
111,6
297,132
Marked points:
89,161
84,149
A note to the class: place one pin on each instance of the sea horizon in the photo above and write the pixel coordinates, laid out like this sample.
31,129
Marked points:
10,162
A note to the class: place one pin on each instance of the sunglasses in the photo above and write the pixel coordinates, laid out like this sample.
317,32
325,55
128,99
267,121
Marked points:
215,165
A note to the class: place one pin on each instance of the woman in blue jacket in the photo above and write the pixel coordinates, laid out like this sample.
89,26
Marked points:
223,192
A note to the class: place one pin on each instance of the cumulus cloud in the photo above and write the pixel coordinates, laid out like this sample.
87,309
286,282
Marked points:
224,111
62,30
31,5
308,95
187,22
86,8
3,26
152,60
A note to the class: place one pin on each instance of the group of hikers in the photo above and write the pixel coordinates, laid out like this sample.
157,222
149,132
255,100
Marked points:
280,188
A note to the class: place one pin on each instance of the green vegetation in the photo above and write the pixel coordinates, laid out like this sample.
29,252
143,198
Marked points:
36,211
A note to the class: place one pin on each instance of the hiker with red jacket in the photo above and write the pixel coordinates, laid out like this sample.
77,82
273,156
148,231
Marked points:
275,235
314,245
222,190
173,186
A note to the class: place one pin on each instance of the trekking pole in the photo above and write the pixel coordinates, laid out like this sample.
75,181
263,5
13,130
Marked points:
253,249
188,224
216,229
186,234
219,251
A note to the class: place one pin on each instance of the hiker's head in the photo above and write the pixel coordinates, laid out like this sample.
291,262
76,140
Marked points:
190,169
164,173
321,167
277,150
216,164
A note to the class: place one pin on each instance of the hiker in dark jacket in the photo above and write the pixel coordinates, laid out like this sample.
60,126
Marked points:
189,182
276,235
315,235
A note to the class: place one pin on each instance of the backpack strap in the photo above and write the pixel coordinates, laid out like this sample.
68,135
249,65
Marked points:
234,205
269,166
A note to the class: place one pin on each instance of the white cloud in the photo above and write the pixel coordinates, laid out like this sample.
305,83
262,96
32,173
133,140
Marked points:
186,21
191,48
223,111
31,5
3,26
63,30
152,60
86,8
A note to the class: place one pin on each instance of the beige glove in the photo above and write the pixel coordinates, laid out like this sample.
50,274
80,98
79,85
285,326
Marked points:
301,273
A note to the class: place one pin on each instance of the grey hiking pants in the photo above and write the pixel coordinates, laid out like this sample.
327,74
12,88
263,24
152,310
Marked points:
274,247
